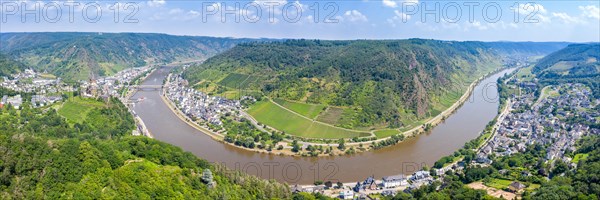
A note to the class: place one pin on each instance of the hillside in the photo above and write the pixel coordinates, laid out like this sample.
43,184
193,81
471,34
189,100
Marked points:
79,56
43,156
376,83
9,66
575,63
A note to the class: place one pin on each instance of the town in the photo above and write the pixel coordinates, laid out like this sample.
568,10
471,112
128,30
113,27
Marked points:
46,89
199,106
547,121
561,116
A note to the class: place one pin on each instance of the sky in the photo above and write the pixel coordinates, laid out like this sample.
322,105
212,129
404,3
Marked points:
549,20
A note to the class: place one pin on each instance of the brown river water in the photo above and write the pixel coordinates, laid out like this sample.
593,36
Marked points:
406,157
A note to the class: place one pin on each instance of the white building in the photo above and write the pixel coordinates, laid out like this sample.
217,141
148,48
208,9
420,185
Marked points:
347,194
15,101
394,181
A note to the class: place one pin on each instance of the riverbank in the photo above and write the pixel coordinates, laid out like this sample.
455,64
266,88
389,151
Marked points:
356,147
215,136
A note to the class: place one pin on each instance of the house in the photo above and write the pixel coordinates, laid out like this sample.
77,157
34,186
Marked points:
388,193
483,160
394,181
516,186
357,187
15,101
420,175
296,188
347,194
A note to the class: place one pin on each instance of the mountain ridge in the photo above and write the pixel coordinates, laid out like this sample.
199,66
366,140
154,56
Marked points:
383,80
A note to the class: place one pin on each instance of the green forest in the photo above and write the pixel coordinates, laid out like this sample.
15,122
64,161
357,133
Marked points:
80,56
42,156
9,66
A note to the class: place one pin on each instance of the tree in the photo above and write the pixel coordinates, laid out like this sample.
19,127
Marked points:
341,144
295,146
207,175
328,184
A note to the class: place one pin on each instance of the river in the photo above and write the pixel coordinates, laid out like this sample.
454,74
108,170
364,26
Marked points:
406,157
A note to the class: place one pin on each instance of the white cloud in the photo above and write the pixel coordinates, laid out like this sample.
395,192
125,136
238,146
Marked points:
590,11
390,3
532,12
529,8
566,18
395,3
175,11
477,25
355,16
156,3
399,17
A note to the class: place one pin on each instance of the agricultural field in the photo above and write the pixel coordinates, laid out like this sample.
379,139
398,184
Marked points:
291,123
76,109
525,74
386,133
341,117
331,116
240,81
307,110
562,66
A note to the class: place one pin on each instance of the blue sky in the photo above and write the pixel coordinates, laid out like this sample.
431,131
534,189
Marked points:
576,21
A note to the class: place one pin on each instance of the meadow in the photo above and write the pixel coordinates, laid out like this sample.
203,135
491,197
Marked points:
386,133
307,110
76,109
291,123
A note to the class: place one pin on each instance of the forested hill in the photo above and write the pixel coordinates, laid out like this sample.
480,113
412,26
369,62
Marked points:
77,56
384,80
9,66
45,156
576,63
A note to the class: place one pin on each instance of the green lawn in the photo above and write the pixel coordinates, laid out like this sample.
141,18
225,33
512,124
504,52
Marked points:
307,110
455,159
291,123
76,109
580,156
386,133
499,183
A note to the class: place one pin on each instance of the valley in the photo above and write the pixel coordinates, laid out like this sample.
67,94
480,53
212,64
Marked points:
427,116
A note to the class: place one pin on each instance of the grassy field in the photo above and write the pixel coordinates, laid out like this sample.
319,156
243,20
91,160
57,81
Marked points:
549,92
580,156
386,133
307,110
525,74
272,115
455,159
76,109
499,183
562,66
502,184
